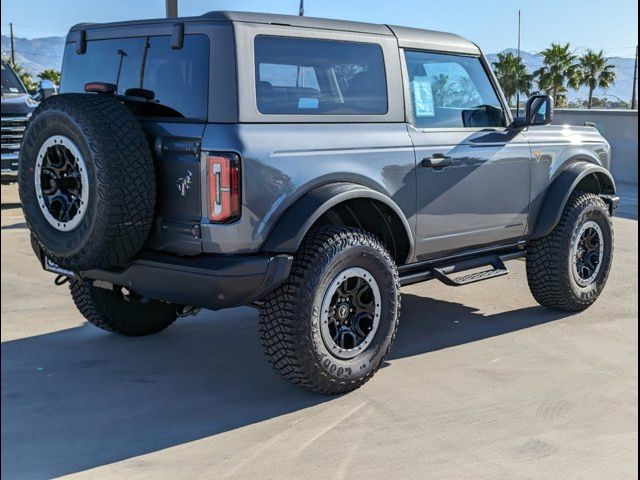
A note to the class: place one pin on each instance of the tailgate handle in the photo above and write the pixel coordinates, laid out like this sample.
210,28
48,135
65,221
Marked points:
188,146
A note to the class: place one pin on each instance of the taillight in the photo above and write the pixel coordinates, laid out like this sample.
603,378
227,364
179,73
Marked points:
223,178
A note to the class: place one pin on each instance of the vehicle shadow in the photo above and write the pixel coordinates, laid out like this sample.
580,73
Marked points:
14,226
81,398
10,205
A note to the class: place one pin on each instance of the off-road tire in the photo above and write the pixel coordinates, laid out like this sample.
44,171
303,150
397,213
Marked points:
549,267
112,311
121,178
289,316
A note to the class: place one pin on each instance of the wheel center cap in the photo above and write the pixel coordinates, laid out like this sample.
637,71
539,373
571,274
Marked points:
342,311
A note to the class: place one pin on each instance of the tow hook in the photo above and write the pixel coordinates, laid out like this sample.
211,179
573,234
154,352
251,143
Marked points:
61,280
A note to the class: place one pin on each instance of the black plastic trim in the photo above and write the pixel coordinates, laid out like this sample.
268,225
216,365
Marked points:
205,281
559,192
424,271
294,224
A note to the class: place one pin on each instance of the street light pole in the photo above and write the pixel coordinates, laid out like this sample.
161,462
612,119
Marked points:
172,8
301,11
13,53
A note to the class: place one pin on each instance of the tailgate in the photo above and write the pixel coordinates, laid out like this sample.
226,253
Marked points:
176,151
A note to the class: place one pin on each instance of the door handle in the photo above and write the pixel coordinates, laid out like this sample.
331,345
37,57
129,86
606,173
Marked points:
437,161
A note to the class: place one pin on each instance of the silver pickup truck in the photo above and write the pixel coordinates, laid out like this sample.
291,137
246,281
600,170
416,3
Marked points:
306,167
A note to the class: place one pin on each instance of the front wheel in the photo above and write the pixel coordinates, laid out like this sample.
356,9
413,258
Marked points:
568,268
330,326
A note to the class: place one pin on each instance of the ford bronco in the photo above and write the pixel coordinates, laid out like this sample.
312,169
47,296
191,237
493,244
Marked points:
308,168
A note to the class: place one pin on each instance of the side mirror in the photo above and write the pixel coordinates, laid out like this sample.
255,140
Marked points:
46,89
539,111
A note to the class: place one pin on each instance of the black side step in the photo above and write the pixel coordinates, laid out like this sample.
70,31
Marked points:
443,274
443,269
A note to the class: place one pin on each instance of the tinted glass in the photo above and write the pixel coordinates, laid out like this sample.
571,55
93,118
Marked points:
101,63
177,77
449,91
10,82
296,76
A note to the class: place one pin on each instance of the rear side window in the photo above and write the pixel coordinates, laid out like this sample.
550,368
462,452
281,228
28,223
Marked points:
296,76
178,78
449,91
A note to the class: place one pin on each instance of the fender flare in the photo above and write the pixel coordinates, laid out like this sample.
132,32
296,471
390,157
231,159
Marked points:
561,189
293,225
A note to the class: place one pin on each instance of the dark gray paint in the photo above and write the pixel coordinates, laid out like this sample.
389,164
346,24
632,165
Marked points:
491,196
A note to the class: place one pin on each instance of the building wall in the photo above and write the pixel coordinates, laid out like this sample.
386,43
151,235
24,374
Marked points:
620,128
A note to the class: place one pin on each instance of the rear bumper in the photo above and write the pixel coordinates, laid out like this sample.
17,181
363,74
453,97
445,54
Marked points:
206,281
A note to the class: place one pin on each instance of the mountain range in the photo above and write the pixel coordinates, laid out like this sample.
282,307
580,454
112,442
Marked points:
624,75
37,54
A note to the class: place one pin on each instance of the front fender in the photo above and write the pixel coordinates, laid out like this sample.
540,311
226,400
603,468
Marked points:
294,224
561,189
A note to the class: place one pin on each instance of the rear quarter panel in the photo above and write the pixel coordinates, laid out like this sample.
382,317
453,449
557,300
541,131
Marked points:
281,162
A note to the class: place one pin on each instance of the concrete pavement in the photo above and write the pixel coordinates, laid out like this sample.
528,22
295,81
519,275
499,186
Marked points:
482,384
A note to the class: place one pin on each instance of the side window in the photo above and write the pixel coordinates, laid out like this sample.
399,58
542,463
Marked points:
297,76
10,82
178,78
449,91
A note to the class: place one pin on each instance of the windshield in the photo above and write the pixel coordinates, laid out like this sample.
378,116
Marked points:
10,82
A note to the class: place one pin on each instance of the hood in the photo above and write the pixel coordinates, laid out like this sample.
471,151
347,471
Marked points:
20,104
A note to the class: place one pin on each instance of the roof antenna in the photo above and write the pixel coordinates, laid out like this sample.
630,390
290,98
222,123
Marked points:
301,11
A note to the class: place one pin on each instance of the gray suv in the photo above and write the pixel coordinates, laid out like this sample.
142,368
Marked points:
306,167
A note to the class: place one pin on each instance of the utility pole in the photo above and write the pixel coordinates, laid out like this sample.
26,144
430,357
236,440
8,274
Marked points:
172,8
634,99
13,51
301,11
517,77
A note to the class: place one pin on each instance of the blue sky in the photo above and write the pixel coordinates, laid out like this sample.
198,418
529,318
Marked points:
610,25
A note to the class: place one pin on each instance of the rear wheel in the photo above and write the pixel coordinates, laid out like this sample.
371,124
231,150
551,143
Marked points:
568,268
120,310
330,326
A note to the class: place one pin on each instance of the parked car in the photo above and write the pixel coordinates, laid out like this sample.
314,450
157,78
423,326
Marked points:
17,107
306,167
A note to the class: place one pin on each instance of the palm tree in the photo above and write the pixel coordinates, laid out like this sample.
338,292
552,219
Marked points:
25,76
594,72
50,74
512,75
558,69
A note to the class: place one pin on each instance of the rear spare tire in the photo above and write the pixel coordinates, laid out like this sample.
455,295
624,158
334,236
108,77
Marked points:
86,181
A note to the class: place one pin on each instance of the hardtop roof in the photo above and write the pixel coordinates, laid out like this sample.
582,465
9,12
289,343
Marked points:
407,37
